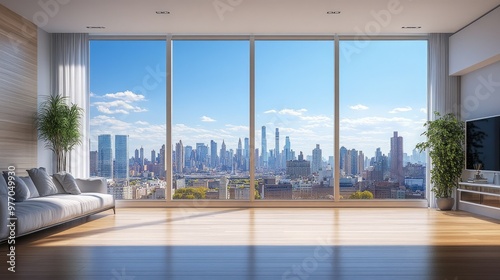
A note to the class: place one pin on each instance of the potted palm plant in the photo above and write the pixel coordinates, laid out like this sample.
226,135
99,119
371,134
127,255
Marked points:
445,144
58,124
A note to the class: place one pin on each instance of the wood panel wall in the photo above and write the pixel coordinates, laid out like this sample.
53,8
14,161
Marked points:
18,92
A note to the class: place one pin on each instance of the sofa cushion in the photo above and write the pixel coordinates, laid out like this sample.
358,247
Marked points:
43,182
31,186
68,182
4,214
21,191
45,211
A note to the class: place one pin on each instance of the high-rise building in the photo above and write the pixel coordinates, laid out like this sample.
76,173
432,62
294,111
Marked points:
201,154
105,156
213,154
93,164
187,156
136,156
316,164
264,147
287,149
223,155
179,157
343,154
121,158
153,157
246,154
141,156
277,149
396,159
162,161
239,155
361,162
354,162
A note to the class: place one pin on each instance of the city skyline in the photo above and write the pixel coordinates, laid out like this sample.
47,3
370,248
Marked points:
210,94
351,161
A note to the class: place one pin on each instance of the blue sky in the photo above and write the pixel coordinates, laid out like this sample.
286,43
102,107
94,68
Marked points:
383,89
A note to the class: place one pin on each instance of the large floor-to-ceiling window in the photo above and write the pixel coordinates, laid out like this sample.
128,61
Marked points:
254,118
383,106
127,116
210,123
294,89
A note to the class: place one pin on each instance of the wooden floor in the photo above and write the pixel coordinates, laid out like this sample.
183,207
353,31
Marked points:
270,243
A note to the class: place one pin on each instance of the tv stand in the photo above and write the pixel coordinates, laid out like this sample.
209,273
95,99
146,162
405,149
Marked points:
479,198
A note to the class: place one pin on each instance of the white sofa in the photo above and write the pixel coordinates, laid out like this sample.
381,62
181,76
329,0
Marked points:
42,212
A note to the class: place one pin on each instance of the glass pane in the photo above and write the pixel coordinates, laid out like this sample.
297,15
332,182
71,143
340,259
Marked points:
210,131
127,116
294,119
383,106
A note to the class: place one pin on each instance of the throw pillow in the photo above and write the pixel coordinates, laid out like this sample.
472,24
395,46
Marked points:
43,181
31,186
68,182
22,192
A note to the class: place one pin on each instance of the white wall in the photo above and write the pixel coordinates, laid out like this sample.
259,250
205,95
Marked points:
44,155
481,98
477,45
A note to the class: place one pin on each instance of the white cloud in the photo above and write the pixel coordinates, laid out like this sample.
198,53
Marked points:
292,112
400,109
127,96
271,112
233,128
359,107
289,112
122,103
423,110
117,107
315,119
207,119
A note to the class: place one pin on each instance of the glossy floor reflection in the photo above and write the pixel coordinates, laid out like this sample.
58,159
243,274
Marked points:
263,244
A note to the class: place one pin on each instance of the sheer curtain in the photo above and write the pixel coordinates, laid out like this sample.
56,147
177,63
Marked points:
69,72
444,90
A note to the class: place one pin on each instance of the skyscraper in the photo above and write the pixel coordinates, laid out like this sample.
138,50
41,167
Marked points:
153,157
141,156
342,160
213,154
277,149
187,156
121,157
162,161
239,155
179,157
287,150
316,164
93,164
264,147
223,156
397,158
246,153
105,156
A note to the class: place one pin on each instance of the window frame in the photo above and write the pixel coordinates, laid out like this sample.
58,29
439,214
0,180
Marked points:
336,202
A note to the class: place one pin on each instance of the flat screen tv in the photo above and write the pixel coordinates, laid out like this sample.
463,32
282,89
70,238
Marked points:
483,143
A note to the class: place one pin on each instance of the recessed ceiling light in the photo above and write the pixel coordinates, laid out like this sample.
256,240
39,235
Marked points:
162,12
96,27
333,12
411,27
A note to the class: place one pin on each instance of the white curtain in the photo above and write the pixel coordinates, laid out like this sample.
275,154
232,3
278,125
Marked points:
70,77
444,90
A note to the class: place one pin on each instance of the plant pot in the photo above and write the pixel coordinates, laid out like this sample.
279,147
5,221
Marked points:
445,203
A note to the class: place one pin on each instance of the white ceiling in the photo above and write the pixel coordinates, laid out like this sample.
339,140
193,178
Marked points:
251,16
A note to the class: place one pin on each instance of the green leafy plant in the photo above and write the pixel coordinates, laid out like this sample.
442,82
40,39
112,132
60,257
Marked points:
445,144
58,124
361,195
